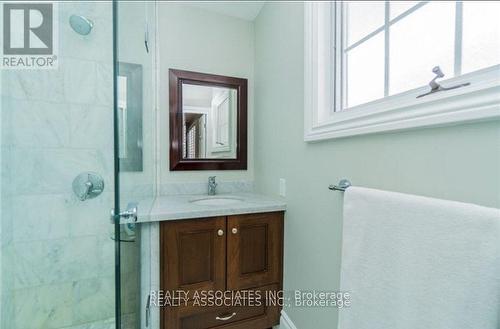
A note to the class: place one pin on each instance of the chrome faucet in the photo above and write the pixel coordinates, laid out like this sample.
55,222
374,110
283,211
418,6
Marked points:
212,185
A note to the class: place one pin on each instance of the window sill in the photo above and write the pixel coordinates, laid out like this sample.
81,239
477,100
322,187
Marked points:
478,102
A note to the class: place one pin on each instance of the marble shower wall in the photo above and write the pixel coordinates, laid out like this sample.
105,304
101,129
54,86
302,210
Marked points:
57,258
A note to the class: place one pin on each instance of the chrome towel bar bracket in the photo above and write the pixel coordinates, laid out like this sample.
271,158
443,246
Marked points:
341,186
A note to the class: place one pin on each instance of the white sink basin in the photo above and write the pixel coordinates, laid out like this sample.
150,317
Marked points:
216,201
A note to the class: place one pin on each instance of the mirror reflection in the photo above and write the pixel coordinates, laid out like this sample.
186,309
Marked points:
129,111
209,117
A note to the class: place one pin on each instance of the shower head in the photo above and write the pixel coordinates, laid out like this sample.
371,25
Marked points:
80,24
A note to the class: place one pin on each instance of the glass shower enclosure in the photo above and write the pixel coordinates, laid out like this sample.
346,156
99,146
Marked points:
77,140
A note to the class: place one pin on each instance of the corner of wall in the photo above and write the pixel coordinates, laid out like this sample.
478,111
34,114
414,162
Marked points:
286,322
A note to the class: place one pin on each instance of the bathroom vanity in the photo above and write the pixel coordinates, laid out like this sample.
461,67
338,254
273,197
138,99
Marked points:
218,260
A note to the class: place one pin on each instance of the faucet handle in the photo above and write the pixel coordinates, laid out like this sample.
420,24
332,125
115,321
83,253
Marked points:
212,185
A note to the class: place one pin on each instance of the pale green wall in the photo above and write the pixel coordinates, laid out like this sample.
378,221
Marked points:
458,163
198,40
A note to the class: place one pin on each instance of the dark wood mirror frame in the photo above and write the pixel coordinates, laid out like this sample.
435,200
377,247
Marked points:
176,79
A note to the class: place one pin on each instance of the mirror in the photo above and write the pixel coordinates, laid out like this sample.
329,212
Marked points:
208,122
208,118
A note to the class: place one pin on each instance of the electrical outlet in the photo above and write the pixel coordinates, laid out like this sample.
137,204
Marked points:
282,187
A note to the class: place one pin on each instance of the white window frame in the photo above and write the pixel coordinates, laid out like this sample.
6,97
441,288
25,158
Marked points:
477,102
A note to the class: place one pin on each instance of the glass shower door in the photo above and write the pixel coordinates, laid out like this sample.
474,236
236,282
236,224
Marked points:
134,150
69,152
56,252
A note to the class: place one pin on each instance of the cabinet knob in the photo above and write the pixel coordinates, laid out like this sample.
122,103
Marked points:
234,230
220,232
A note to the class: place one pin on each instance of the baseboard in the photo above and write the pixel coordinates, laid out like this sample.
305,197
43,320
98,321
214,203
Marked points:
285,322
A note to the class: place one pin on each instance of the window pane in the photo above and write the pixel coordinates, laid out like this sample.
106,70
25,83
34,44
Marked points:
481,35
419,42
365,71
399,7
363,17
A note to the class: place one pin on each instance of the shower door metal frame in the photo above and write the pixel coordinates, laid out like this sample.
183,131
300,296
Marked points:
116,164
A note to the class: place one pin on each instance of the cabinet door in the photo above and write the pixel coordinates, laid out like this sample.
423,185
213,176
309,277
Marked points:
254,245
193,254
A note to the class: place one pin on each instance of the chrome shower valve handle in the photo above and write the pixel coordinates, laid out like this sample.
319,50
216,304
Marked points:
88,185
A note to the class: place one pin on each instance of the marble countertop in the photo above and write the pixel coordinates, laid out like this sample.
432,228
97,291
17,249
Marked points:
172,207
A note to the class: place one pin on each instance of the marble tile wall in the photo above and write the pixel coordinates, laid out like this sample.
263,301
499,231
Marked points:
57,258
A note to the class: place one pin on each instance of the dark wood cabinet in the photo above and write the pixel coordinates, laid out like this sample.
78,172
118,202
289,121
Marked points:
233,254
254,246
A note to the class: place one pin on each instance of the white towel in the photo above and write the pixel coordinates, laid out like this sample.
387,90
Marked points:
413,262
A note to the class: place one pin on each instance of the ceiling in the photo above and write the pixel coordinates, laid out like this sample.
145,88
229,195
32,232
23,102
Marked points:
194,95
247,10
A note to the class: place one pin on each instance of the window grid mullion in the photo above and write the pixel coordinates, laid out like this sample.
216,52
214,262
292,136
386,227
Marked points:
391,22
458,38
343,23
336,68
386,49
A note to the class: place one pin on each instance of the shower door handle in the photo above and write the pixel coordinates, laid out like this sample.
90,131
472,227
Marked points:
127,215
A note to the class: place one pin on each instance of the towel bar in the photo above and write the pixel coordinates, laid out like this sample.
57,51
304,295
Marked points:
341,186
